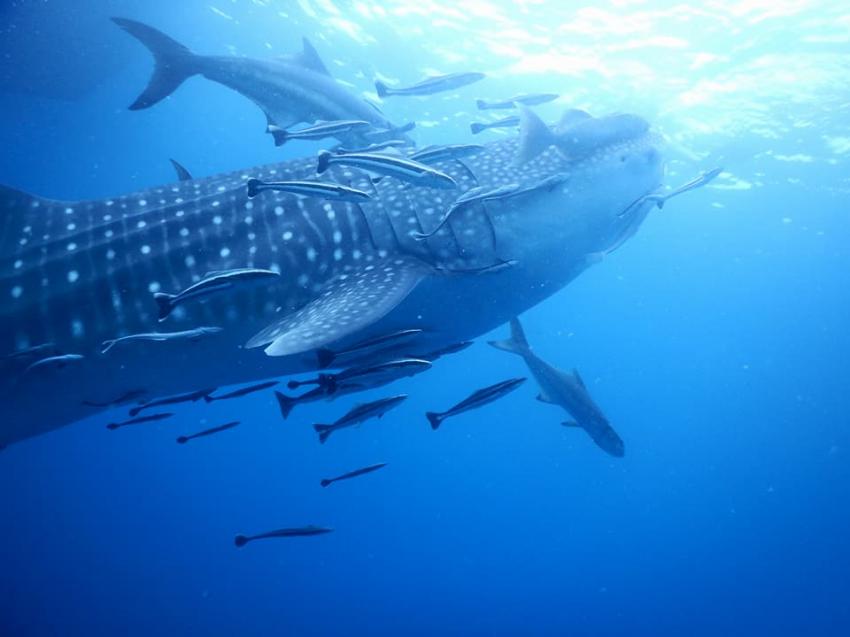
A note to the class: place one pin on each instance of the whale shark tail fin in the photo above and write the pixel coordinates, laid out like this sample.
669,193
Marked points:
517,343
174,63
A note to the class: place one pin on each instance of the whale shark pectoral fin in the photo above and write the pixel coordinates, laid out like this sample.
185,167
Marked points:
543,397
348,303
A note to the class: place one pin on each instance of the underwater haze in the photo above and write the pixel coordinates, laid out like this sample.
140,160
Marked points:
703,490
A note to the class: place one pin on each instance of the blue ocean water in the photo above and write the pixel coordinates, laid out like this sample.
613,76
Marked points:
715,341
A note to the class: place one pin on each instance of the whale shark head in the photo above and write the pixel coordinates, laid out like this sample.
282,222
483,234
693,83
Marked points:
594,175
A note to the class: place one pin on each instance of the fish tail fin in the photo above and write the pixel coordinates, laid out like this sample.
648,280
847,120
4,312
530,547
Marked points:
324,431
280,135
286,403
324,161
534,135
325,357
254,187
240,541
208,399
476,127
382,89
517,343
435,419
481,104
182,440
173,62
325,482
163,304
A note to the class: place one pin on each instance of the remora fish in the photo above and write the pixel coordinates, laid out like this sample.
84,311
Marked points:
191,397
434,154
161,337
182,440
529,99
242,391
565,389
505,122
289,90
372,148
377,343
322,130
212,283
348,272
242,540
359,413
139,420
473,195
288,403
478,398
353,474
53,363
126,397
430,85
332,192
402,169
367,376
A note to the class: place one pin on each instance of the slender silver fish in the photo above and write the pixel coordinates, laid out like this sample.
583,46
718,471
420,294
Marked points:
402,169
505,122
327,356
191,397
372,148
479,194
333,192
242,540
353,474
433,154
53,363
359,413
182,440
288,403
321,130
242,391
476,399
529,99
160,337
430,85
212,283
139,420
367,376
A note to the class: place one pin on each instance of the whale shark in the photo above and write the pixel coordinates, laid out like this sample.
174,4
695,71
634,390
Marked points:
77,274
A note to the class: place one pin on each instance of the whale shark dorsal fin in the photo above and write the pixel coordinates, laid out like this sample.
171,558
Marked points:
570,118
180,169
309,58
346,304
578,378
534,136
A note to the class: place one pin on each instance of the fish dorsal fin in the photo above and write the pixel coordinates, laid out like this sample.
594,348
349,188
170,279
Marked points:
309,58
570,118
578,378
534,135
346,304
182,173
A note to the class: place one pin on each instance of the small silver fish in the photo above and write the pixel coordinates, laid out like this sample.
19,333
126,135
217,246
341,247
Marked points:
182,440
402,169
53,363
212,283
433,154
476,399
358,414
430,85
478,194
139,420
507,122
353,474
334,192
242,540
381,341
160,337
529,99
372,148
320,130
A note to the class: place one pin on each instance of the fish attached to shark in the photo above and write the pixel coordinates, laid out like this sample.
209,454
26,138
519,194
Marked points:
289,89
74,274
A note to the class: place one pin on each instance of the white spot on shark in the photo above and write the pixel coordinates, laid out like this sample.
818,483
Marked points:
73,275
17,291
145,249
